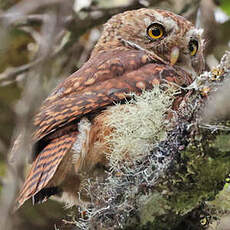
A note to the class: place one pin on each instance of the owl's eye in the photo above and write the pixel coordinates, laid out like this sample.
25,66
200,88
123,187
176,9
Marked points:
155,31
193,47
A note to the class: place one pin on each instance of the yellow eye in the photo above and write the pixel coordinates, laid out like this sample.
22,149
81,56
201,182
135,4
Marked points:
155,31
193,47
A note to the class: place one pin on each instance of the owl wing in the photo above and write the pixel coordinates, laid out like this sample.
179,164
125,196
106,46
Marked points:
104,79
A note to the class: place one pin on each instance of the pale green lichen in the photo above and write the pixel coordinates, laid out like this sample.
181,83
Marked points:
138,125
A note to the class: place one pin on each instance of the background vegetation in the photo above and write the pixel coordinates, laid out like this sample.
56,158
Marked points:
41,43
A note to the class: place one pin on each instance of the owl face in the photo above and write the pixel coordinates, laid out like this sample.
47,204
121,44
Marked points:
168,37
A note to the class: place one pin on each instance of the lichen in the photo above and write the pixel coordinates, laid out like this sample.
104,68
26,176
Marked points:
155,182
197,176
202,176
138,126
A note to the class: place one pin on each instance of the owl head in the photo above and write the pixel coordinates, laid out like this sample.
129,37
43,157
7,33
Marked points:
165,36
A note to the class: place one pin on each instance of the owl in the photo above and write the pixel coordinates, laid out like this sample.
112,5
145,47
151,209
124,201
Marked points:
137,50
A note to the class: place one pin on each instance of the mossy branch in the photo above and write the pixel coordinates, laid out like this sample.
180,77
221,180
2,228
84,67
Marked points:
170,183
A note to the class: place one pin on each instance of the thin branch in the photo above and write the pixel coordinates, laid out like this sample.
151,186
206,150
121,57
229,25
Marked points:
11,74
25,7
215,128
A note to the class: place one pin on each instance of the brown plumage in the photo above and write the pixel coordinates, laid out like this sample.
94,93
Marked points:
127,58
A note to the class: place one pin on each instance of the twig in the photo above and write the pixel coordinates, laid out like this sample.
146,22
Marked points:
12,73
214,128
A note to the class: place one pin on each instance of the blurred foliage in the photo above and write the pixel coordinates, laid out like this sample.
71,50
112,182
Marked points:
5,4
225,5
15,53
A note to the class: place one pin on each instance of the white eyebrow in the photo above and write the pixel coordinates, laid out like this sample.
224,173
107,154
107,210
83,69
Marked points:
169,22
195,33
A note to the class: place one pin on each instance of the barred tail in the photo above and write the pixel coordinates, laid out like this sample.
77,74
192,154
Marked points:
45,166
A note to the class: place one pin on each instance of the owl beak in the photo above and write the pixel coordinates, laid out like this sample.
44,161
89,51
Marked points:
175,52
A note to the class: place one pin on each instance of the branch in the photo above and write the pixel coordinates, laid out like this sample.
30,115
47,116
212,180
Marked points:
12,73
170,184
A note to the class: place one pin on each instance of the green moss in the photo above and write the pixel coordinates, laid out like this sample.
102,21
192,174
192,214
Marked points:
202,176
222,142
199,175
154,206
